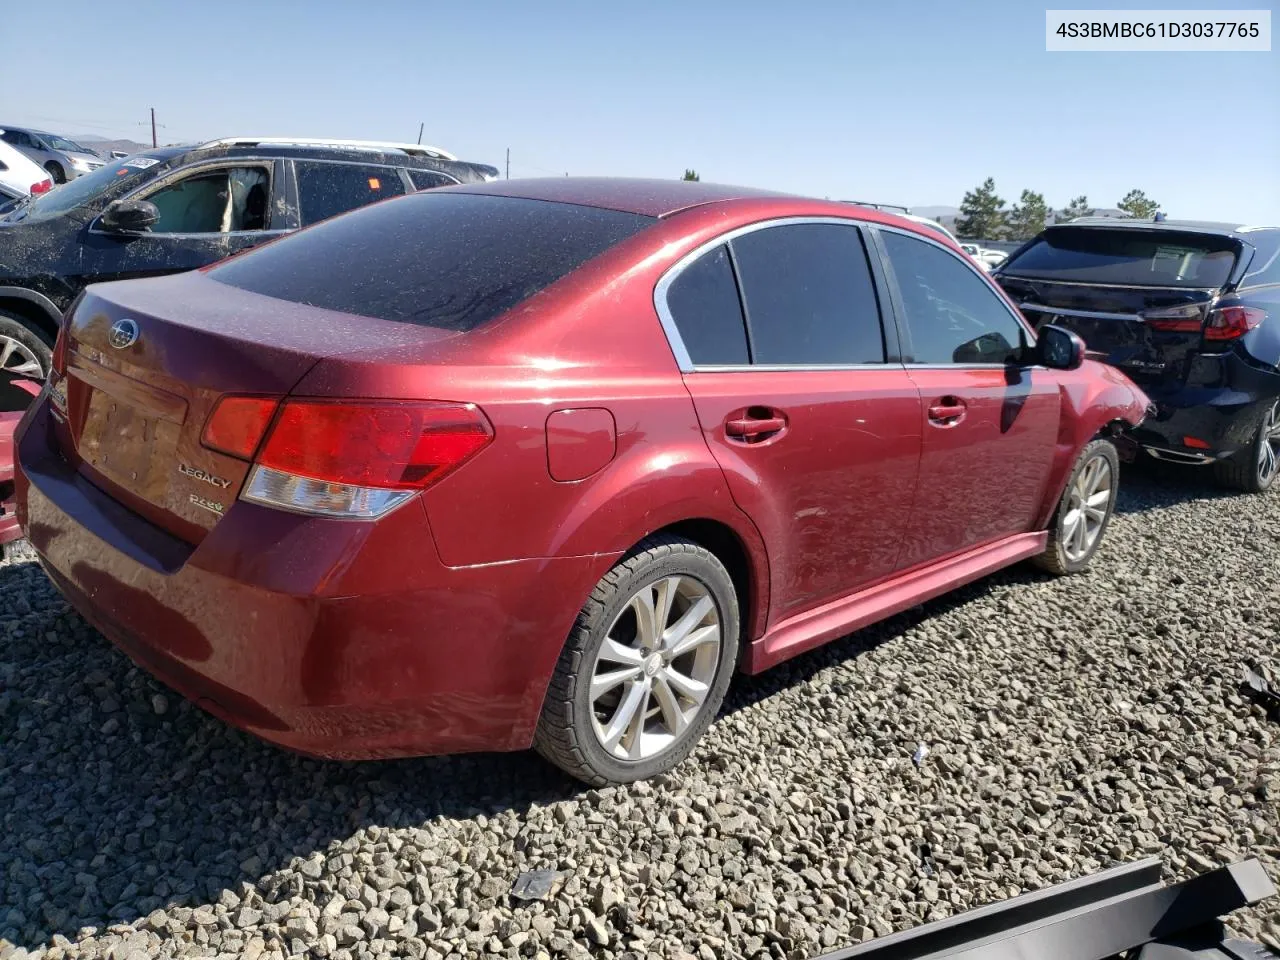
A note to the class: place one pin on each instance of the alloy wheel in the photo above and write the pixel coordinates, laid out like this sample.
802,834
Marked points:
1269,445
1087,507
655,668
17,358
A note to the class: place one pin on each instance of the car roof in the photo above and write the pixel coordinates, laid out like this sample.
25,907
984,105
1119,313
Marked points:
650,198
1219,228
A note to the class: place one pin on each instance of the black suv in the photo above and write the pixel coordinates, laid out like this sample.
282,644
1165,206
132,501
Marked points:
178,208
1190,311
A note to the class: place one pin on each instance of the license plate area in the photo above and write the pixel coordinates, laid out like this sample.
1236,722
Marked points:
123,429
127,445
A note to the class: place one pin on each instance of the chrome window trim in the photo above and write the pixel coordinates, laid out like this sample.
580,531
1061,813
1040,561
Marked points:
672,273
1091,314
791,367
974,366
983,276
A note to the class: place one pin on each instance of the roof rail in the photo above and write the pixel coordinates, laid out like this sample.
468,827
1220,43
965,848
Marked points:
1095,218
412,149
878,206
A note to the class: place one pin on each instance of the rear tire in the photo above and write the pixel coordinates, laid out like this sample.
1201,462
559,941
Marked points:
636,707
1255,468
23,351
1079,523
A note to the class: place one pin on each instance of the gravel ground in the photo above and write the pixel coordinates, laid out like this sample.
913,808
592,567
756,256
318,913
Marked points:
1071,724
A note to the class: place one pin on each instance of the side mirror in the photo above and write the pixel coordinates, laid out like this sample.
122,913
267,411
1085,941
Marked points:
1059,348
130,216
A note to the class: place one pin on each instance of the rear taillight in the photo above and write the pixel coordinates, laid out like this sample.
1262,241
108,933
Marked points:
237,425
59,362
1187,318
1231,323
344,458
44,186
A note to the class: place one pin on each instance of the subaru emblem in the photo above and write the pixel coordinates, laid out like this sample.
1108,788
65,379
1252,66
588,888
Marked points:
124,333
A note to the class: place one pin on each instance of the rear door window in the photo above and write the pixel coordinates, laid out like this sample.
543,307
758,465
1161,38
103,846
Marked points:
18,139
426,179
1128,257
809,296
952,314
328,189
703,302
445,260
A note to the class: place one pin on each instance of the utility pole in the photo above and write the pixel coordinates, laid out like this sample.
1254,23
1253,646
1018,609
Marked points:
508,163
420,126
153,128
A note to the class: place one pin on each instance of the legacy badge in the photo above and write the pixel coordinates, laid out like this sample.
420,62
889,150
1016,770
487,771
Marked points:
204,475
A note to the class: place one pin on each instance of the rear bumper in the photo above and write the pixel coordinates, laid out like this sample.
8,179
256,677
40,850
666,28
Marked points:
337,639
1219,419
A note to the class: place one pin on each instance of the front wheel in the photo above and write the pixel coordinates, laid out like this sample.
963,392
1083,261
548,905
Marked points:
55,170
1084,510
645,668
1254,469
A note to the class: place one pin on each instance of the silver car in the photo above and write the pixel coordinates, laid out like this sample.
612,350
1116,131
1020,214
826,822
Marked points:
64,159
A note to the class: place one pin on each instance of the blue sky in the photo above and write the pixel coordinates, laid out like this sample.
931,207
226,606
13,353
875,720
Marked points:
907,102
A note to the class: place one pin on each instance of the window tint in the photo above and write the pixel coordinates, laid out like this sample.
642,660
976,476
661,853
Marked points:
426,179
327,189
952,314
1264,268
447,260
703,301
1124,255
809,296
218,201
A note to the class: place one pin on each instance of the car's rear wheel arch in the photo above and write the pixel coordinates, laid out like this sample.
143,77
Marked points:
32,315
723,541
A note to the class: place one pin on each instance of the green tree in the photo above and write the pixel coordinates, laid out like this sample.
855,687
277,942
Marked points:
1079,207
1028,216
1136,204
691,175
982,213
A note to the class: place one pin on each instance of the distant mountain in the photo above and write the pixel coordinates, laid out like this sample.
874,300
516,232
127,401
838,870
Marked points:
104,146
934,213
947,217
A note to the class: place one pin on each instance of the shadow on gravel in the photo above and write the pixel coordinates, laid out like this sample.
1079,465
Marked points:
117,797
1149,484
749,690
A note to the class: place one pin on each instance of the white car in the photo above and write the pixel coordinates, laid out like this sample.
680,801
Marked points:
20,176
975,251
993,258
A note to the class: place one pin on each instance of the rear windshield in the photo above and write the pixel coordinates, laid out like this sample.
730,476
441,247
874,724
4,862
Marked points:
446,260
1127,256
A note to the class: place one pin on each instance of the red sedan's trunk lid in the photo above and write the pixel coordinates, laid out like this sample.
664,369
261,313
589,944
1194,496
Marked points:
136,409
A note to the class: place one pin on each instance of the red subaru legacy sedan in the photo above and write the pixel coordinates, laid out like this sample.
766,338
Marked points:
545,462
